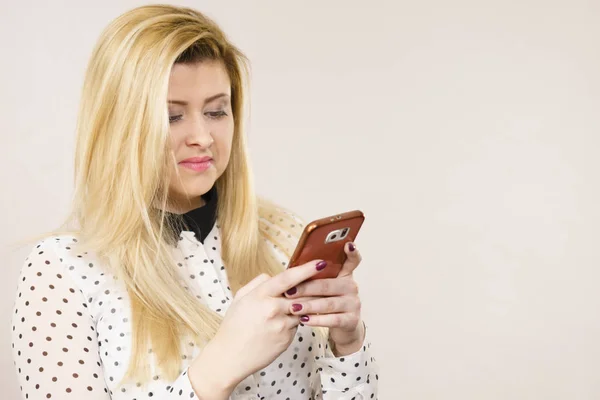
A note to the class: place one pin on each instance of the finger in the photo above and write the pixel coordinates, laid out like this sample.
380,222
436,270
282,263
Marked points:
326,305
280,306
303,299
352,261
324,287
285,322
292,321
253,284
291,277
340,320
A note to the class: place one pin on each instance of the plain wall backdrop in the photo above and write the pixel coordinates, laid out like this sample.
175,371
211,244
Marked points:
467,131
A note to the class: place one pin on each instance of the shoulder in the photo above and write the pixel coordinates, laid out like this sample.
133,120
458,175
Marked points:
43,275
63,255
276,215
48,257
280,220
279,226
49,251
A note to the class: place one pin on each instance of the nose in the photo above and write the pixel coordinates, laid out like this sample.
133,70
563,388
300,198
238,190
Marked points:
199,134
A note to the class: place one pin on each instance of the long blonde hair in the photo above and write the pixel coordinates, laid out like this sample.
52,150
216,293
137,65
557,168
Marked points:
121,167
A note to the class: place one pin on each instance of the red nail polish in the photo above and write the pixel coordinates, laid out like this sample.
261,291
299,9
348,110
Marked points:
296,307
304,318
351,247
321,265
292,291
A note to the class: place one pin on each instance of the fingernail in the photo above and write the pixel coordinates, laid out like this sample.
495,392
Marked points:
351,247
292,291
304,318
321,265
296,307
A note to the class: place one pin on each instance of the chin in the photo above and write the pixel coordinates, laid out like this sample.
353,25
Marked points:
199,185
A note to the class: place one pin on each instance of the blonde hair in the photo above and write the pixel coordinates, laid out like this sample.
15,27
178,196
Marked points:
121,167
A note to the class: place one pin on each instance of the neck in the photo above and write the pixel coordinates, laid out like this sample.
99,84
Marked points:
184,205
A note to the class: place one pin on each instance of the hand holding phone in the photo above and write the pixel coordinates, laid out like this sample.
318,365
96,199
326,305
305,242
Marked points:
331,303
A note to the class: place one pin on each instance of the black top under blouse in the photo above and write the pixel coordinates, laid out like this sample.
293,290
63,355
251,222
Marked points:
201,220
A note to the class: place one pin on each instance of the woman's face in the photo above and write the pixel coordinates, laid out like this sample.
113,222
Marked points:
201,129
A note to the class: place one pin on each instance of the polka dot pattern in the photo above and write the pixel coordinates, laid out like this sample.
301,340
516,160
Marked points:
71,332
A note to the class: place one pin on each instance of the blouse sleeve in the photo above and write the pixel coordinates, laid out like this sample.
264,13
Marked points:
54,340
55,347
355,376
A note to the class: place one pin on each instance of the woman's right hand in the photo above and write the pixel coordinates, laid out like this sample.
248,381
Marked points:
256,329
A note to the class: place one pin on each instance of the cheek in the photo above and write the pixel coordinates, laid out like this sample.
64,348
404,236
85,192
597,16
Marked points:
176,150
176,139
223,146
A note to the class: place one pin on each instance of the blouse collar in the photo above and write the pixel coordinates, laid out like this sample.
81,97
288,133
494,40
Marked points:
201,220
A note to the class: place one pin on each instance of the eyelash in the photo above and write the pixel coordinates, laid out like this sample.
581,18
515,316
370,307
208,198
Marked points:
211,115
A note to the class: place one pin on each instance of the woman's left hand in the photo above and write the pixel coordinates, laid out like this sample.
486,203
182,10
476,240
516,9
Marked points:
333,303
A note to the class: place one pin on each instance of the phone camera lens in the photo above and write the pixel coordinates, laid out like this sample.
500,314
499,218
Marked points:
333,237
344,231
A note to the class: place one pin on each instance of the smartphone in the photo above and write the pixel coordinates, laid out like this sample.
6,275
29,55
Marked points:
324,239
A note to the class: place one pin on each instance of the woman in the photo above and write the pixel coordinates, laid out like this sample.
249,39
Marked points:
171,283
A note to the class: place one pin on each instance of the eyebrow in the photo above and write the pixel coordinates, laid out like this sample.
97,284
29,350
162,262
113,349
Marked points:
207,100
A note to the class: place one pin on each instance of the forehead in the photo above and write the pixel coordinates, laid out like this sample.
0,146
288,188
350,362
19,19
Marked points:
198,80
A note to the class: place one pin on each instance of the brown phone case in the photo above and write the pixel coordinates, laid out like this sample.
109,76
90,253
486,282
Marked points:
312,244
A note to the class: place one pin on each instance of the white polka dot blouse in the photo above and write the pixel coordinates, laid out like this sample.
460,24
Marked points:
71,334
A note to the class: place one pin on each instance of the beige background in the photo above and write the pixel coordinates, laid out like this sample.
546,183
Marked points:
467,131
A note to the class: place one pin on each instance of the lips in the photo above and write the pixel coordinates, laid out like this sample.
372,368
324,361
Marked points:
196,160
197,164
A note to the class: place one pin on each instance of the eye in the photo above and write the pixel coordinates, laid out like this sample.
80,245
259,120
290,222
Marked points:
174,118
216,114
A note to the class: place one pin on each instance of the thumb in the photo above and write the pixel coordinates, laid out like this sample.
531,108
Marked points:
352,261
253,284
